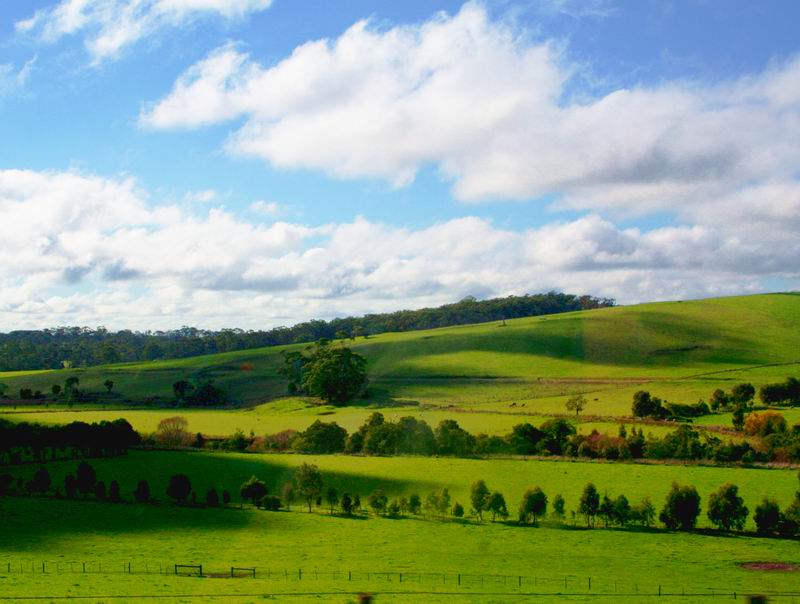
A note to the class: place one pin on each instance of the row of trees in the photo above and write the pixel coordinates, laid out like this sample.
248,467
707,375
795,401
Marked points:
412,436
681,510
82,346
22,441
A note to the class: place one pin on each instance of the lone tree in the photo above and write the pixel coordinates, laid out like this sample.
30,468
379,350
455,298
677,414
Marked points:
179,488
533,506
479,497
726,510
253,490
589,504
181,389
742,394
109,384
332,497
336,374
309,483
767,517
681,508
173,432
577,404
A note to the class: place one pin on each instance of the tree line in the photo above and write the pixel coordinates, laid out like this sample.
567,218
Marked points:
65,347
37,442
680,512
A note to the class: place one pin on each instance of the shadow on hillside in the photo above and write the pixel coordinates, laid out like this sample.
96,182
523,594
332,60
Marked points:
34,519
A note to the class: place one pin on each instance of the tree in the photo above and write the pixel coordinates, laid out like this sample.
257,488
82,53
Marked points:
70,486
621,511
576,403
719,400
738,418
558,507
742,394
321,437
378,500
414,504
253,489
55,389
589,503
212,498
347,504
767,517
336,374
181,388
332,497
179,488
726,510
226,497
479,497
86,478
644,513
288,494
172,431
533,505
497,505
764,424
458,510
100,490
142,492
109,384
113,492
309,483
443,501
606,510
645,405
681,508
41,481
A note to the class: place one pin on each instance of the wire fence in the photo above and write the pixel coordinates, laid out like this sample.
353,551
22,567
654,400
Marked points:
403,581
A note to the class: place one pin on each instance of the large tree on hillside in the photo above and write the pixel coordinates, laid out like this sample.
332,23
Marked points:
336,374
309,483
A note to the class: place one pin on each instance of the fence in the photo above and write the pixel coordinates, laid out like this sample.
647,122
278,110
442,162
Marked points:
382,581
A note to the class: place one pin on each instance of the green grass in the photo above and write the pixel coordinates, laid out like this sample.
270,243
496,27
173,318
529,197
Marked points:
37,530
680,351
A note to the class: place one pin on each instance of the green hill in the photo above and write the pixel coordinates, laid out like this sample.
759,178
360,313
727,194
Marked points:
680,351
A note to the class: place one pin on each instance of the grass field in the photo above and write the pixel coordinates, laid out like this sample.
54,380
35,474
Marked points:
63,534
680,351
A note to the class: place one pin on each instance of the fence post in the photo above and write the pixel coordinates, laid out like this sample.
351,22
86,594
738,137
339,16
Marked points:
590,584
300,574
42,567
349,575
459,578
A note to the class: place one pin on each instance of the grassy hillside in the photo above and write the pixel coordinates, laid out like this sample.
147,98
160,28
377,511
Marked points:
680,351
627,561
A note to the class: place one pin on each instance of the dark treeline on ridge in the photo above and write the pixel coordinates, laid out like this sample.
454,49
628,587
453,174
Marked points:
83,347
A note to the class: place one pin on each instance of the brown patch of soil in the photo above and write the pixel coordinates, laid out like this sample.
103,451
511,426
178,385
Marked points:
784,567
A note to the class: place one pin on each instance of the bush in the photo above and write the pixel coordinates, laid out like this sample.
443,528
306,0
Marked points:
458,510
767,517
179,488
681,508
271,503
142,492
377,500
764,424
253,490
212,498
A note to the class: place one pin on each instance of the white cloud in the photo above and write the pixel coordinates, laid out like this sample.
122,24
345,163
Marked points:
13,79
487,105
266,208
88,250
111,25
202,196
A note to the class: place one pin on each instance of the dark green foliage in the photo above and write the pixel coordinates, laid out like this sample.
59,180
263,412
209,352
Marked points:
142,492
742,394
336,374
332,497
497,505
558,507
458,510
719,400
783,393
46,349
212,498
414,504
452,439
321,437
347,504
681,508
309,483
645,405
253,490
479,497
644,513
180,487
109,384
100,490
378,501
271,503
113,492
589,504
767,517
737,418
533,506
86,478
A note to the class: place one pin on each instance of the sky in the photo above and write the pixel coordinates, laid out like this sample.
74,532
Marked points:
256,163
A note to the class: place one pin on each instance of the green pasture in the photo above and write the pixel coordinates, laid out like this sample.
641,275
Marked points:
404,475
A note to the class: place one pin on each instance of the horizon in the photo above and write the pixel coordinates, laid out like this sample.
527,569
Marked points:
250,164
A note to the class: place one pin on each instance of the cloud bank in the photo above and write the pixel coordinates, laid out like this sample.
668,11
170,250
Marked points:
91,250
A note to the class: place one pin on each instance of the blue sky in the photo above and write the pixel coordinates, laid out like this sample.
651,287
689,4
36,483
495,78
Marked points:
251,163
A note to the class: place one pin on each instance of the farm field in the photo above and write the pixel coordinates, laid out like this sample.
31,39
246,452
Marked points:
65,534
679,351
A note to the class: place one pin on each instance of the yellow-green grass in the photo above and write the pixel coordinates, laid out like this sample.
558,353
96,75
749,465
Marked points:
680,351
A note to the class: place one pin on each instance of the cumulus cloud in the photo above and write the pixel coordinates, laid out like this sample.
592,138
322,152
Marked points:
111,25
488,106
88,250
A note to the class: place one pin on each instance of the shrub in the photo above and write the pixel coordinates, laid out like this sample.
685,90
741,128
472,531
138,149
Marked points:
253,489
179,488
767,517
212,498
458,510
142,492
86,478
377,500
271,503
764,424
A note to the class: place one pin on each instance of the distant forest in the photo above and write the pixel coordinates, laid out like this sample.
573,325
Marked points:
61,347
